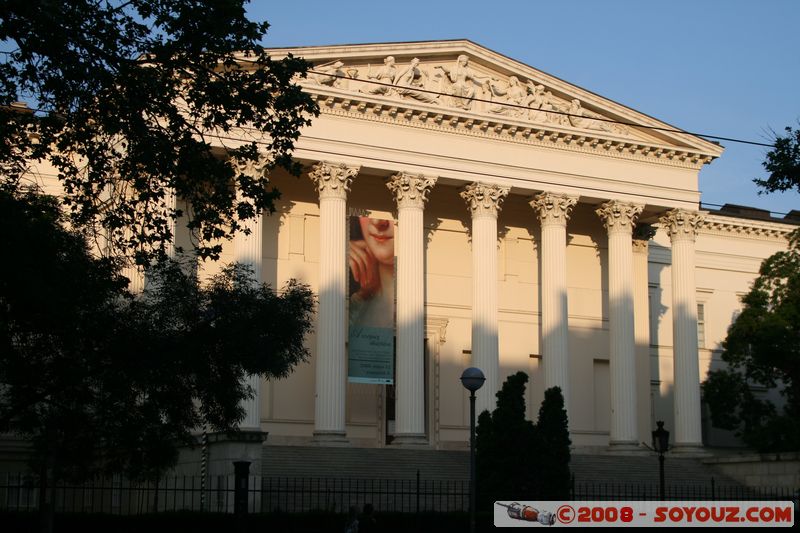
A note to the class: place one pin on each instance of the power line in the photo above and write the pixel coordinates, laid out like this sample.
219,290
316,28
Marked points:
518,106
461,171
555,112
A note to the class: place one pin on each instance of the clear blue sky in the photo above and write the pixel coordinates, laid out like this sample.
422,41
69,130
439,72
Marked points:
723,67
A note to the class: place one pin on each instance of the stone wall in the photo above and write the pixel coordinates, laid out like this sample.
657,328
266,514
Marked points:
761,470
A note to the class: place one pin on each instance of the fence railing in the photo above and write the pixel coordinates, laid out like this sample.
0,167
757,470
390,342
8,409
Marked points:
20,492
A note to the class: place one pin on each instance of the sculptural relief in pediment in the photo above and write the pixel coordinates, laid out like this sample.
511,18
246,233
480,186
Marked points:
459,85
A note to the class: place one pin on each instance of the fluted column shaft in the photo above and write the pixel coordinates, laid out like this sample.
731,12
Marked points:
682,227
554,211
619,219
333,182
410,193
484,203
247,250
170,201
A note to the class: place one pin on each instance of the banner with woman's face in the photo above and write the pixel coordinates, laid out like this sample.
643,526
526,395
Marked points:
372,279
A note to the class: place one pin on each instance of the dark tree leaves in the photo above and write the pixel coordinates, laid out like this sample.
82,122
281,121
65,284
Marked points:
517,460
762,349
131,97
101,381
783,164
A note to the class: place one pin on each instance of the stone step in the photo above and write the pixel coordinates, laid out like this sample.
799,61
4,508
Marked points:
400,463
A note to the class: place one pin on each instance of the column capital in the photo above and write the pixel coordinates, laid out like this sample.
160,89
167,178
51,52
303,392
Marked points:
681,224
553,208
619,216
642,233
333,179
254,169
410,190
483,199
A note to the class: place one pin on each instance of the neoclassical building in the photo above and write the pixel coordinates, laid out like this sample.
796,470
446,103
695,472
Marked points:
537,226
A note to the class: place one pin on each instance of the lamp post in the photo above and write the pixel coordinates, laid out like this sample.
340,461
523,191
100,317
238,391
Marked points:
472,378
660,445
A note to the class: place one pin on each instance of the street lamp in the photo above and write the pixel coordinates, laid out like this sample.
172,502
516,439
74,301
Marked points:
661,446
472,378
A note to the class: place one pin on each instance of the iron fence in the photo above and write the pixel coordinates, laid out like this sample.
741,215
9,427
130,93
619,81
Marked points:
117,495
395,495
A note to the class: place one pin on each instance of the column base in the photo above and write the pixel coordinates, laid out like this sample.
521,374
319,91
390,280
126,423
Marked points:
626,446
690,449
410,441
330,438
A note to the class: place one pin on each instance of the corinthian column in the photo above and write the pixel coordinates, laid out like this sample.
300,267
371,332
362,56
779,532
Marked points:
554,211
410,193
484,204
332,181
247,250
682,227
619,219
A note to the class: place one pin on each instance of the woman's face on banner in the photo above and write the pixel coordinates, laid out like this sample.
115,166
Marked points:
379,236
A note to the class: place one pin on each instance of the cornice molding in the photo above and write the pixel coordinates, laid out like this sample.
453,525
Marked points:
408,113
753,229
437,325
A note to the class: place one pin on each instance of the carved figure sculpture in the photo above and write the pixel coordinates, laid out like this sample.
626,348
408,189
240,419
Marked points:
581,118
331,74
462,81
514,93
385,74
540,102
412,79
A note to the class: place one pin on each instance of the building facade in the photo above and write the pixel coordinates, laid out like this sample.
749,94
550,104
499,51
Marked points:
536,226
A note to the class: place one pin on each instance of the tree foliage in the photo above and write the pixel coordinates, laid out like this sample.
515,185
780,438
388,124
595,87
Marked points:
517,459
763,349
783,164
553,447
100,380
131,96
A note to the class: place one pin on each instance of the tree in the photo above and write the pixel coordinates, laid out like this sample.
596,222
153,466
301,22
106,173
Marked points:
783,164
504,440
763,348
101,381
517,460
136,101
553,453
763,343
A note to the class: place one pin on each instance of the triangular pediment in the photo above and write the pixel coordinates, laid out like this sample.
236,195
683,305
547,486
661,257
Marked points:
448,79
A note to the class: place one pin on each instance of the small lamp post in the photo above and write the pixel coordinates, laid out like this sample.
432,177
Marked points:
472,378
661,446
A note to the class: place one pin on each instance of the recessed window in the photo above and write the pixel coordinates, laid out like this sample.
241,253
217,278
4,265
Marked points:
701,325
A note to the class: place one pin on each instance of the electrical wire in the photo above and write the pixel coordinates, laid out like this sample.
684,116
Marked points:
555,112
435,168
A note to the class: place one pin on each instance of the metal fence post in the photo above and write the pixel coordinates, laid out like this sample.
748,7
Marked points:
241,475
417,491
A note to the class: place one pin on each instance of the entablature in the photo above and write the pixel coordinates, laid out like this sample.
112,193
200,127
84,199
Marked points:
332,102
